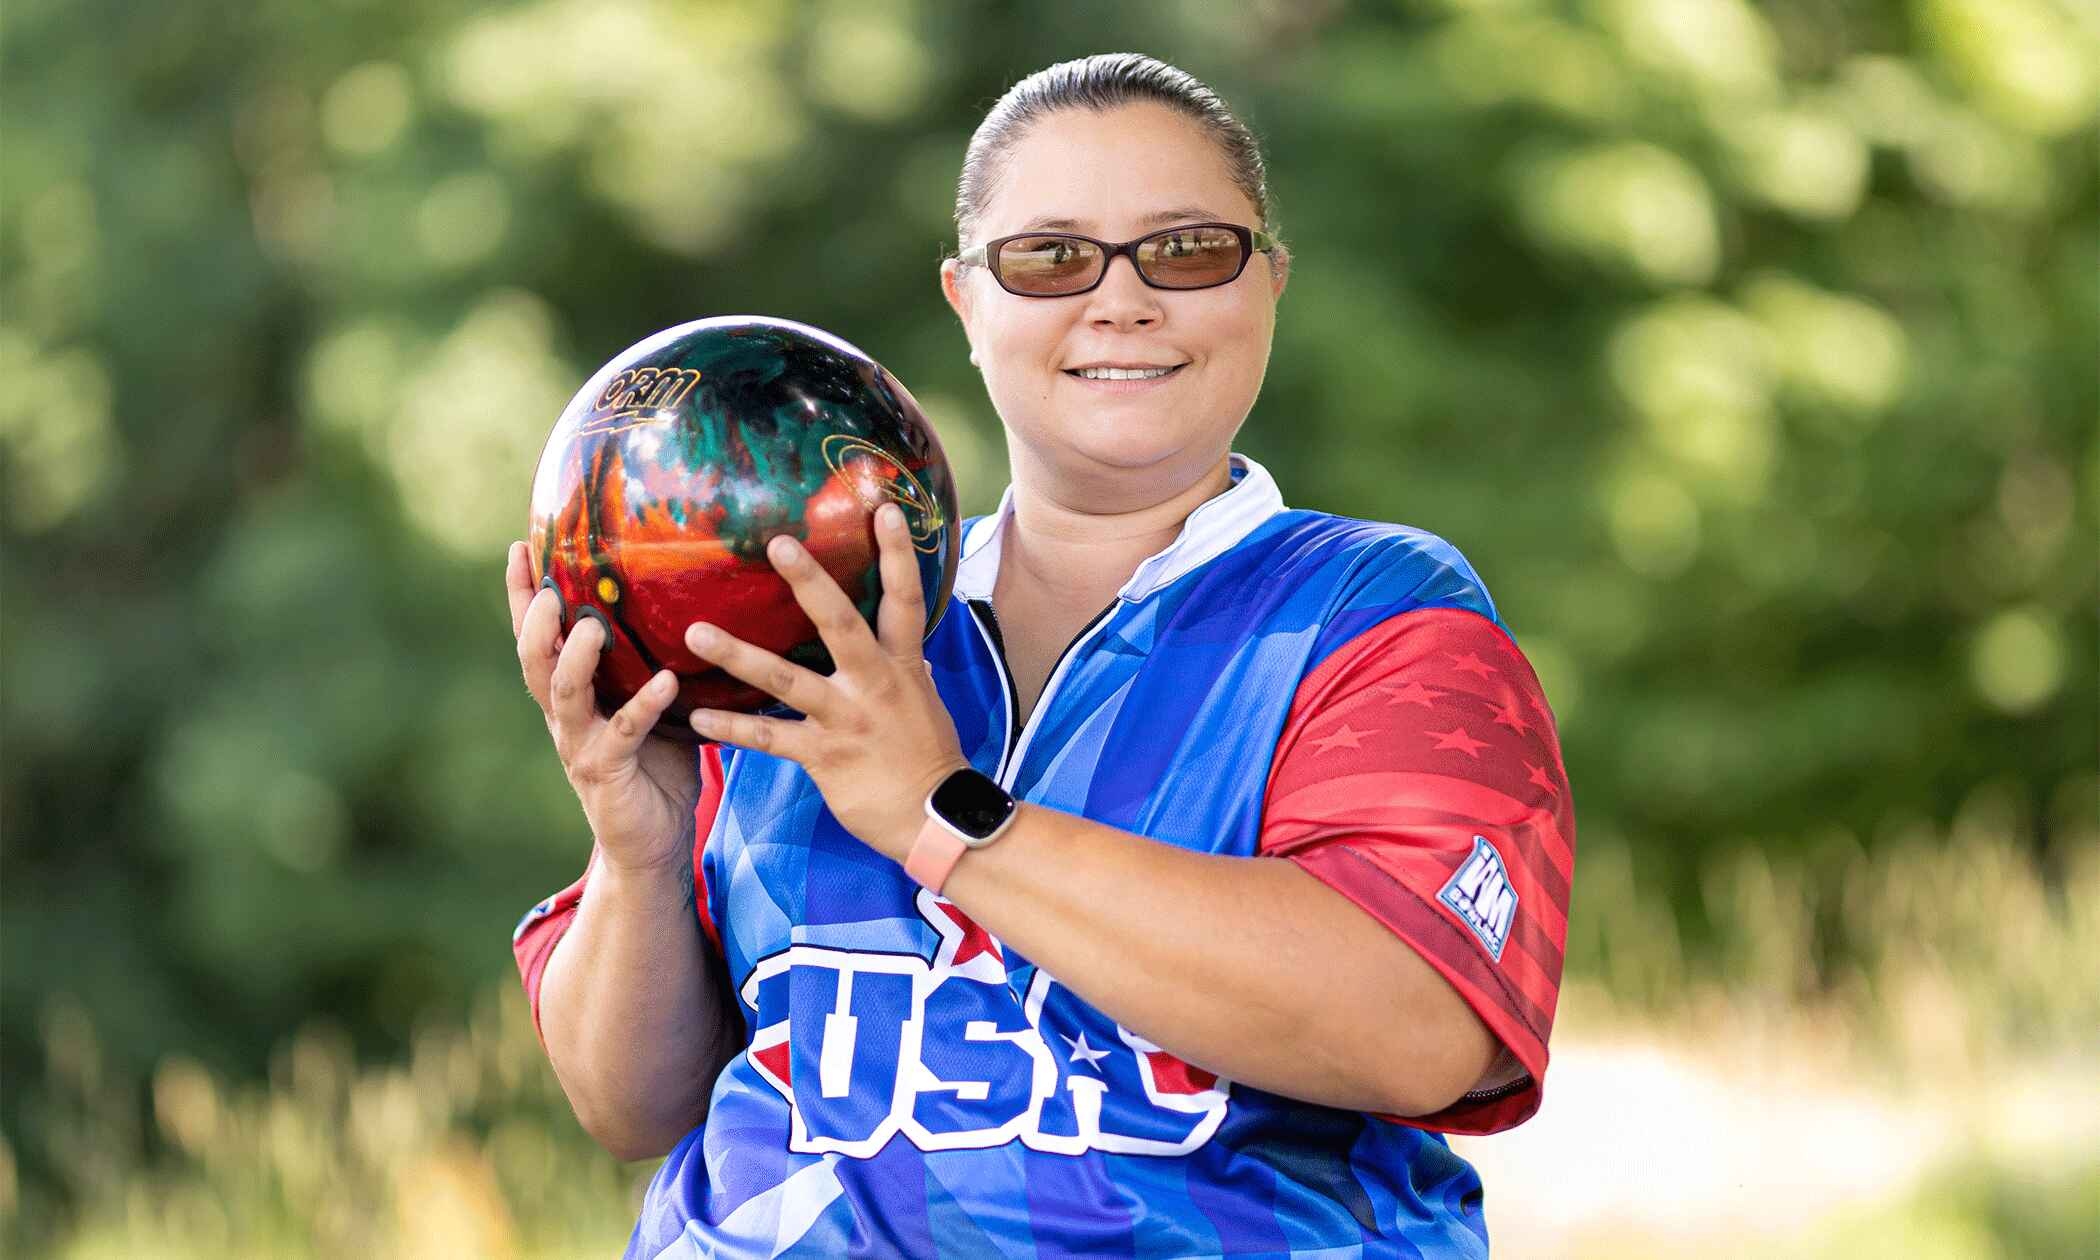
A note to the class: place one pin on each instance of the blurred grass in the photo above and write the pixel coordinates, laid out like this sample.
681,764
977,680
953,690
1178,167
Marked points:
1938,977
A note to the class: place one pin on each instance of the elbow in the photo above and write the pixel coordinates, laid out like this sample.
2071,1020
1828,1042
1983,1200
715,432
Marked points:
1447,1062
629,1148
1414,1096
632,1138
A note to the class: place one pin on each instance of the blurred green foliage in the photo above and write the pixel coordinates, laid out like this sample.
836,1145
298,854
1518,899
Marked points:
1746,350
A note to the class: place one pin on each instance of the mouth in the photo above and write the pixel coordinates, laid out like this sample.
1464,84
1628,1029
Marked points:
1123,380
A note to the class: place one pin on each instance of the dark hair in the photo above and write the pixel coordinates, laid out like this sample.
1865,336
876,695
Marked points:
1100,83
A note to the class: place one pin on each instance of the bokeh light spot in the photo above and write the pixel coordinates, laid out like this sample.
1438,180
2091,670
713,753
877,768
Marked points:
1628,205
366,110
2017,663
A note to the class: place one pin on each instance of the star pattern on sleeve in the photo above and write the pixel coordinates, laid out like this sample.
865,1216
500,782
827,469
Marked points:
1507,715
1344,736
1456,739
1412,693
1470,663
1411,746
1540,780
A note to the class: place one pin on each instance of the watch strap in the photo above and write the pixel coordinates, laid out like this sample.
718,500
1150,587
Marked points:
934,853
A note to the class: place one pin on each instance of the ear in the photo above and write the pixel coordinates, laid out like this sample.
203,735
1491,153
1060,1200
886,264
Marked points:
957,292
1279,270
953,290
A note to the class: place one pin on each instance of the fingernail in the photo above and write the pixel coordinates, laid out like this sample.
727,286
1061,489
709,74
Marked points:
662,684
892,516
702,719
782,548
703,635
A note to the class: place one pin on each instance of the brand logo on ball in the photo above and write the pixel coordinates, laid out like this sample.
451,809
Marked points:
849,456
639,396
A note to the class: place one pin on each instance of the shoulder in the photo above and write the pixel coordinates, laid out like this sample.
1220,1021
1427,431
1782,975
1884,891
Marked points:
1371,570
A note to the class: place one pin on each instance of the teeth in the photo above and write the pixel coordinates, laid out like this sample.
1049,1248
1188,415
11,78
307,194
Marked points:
1122,374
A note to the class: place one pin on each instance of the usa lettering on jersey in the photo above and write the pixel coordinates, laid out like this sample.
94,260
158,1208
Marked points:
865,1046
1481,896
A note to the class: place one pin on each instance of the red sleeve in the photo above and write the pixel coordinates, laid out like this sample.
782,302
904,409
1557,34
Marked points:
545,924
1419,775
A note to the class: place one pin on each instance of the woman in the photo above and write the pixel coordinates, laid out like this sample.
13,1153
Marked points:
1278,892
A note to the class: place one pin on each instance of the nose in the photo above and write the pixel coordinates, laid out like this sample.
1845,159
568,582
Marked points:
1122,299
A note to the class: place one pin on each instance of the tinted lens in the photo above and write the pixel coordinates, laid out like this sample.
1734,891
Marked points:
1048,264
1190,258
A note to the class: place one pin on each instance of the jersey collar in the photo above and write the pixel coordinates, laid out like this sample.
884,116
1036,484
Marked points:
1214,528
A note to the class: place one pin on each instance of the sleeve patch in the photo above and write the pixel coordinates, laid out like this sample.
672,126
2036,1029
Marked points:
1482,897
532,916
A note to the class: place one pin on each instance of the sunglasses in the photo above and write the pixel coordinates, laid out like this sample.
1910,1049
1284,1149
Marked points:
1061,264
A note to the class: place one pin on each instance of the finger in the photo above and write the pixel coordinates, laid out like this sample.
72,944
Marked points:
775,736
517,583
628,728
901,622
574,700
791,684
838,622
536,633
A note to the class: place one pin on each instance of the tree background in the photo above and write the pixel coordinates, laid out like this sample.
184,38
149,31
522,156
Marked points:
1746,350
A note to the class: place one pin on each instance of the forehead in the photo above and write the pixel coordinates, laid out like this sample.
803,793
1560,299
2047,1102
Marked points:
1114,173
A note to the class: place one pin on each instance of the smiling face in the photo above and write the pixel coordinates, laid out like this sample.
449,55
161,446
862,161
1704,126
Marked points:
1116,176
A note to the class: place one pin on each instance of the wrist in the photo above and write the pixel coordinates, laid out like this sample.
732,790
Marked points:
965,811
644,876
896,841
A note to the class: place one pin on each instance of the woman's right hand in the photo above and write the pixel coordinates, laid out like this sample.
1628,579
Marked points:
638,789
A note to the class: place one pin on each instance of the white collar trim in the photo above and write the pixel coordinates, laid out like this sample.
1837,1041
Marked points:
1214,528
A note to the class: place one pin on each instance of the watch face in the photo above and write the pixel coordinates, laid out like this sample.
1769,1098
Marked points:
972,803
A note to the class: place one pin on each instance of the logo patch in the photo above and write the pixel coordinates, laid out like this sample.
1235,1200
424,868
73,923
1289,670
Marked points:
1481,896
532,916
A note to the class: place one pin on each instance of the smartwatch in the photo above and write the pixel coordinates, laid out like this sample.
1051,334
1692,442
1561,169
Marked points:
966,811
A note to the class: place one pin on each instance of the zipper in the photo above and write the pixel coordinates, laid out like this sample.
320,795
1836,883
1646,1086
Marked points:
1017,741
1503,1090
993,639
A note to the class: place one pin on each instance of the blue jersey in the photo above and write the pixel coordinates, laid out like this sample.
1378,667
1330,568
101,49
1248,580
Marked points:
912,1086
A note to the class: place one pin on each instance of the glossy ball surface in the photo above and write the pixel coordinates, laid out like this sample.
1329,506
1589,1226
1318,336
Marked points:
675,465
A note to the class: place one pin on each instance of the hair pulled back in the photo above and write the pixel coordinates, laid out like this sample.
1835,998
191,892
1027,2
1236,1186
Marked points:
1100,83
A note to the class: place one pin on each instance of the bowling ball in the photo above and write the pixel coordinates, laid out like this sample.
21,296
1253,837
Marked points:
674,466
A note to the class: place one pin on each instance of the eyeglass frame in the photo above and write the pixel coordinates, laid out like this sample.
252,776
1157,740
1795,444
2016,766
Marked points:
1252,241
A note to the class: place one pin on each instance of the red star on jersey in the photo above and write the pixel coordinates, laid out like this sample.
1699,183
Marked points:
1470,663
1412,693
1344,736
776,1059
1541,780
1457,740
1507,715
970,940
975,940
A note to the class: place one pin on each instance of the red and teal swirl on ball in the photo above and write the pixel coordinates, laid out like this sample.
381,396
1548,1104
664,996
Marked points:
670,471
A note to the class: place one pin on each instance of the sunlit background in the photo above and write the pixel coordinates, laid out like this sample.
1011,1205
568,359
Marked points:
1747,350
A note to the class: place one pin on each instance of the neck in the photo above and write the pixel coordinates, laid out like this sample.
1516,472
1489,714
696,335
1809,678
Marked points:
1082,548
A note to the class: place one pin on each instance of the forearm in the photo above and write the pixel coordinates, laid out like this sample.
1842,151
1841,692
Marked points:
1250,968
634,1011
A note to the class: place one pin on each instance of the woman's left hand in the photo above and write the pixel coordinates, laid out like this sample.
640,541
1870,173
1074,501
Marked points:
875,736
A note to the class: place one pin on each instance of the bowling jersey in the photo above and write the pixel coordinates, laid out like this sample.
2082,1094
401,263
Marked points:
1277,684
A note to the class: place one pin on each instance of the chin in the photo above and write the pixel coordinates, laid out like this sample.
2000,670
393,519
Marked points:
1118,446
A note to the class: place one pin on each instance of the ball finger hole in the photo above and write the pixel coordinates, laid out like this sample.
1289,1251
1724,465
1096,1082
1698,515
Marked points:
588,613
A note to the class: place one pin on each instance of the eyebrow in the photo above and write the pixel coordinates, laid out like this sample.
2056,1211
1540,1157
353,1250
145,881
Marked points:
1051,223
